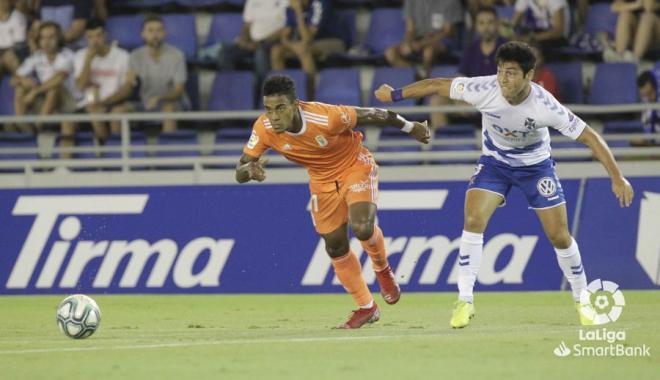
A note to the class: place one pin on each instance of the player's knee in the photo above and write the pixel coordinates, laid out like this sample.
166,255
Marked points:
362,230
560,239
336,248
474,223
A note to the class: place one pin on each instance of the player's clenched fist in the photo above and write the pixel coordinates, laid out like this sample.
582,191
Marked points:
421,132
384,93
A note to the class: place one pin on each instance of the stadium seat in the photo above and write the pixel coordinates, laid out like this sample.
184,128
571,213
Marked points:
339,86
621,127
569,79
299,78
444,71
200,3
6,97
394,135
504,12
146,4
614,83
240,84
180,137
225,27
386,29
395,77
126,30
192,89
138,139
181,32
600,18
344,26
18,140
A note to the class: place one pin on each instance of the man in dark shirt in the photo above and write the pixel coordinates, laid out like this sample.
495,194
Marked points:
479,58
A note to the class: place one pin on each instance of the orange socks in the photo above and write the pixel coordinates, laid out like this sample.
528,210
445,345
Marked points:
375,247
349,273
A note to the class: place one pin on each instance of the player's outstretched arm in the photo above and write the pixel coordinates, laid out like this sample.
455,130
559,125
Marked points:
620,186
438,86
249,168
381,117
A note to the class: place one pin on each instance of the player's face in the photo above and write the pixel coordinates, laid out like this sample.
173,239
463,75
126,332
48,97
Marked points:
511,79
647,93
486,25
153,34
280,110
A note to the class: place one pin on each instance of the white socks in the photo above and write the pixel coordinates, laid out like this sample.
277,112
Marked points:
571,264
469,259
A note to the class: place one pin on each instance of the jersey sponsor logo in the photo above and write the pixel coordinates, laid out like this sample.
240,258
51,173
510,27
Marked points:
168,260
507,133
546,186
359,187
321,140
254,139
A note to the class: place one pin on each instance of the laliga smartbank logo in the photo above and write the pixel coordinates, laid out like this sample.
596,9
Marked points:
601,303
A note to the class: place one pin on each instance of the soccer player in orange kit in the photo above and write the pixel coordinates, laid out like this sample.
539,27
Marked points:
343,180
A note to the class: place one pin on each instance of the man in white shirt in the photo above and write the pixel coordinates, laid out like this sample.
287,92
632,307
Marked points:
53,90
13,28
546,22
516,115
100,71
263,21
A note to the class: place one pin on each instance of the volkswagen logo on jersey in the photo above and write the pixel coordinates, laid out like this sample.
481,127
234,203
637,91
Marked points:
546,186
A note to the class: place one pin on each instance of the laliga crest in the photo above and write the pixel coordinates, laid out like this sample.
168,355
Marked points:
321,141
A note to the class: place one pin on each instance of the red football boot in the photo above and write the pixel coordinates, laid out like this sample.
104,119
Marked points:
389,289
360,317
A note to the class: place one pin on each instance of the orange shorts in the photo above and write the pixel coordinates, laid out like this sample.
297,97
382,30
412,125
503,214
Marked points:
330,201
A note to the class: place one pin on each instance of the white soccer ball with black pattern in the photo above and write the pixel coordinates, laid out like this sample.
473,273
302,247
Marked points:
78,316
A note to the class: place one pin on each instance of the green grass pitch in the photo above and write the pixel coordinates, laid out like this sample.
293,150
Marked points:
290,337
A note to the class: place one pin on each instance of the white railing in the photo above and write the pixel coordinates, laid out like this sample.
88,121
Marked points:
208,151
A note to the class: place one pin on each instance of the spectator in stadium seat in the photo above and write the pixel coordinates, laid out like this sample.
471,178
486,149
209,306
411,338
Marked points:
648,84
100,71
303,37
263,22
162,74
71,15
428,24
544,22
53,91
637,28
13,28
478,59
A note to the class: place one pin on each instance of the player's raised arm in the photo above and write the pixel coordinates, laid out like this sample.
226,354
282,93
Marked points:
250,168
436,86
620,186
382,117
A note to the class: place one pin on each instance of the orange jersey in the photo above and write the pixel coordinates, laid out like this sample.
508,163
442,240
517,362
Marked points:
326,145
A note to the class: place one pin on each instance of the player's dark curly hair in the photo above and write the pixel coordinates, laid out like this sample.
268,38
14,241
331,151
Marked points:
516,51
280,85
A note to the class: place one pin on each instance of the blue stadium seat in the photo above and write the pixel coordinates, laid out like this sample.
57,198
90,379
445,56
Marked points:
386,29
180,137
600,18
192,89
138,139
614,83
504,12
299,78
339,86
180,32
569,79
395,77
225,27
343,26
126,30
392,134
6,96
444,71
146,4
621,127
232,90
18,140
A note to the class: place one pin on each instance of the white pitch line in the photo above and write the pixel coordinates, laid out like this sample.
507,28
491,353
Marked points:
214,343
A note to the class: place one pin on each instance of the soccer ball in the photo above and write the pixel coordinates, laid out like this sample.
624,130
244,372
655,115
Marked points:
78,316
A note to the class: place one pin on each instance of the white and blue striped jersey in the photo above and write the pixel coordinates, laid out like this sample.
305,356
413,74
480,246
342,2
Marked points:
516,135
